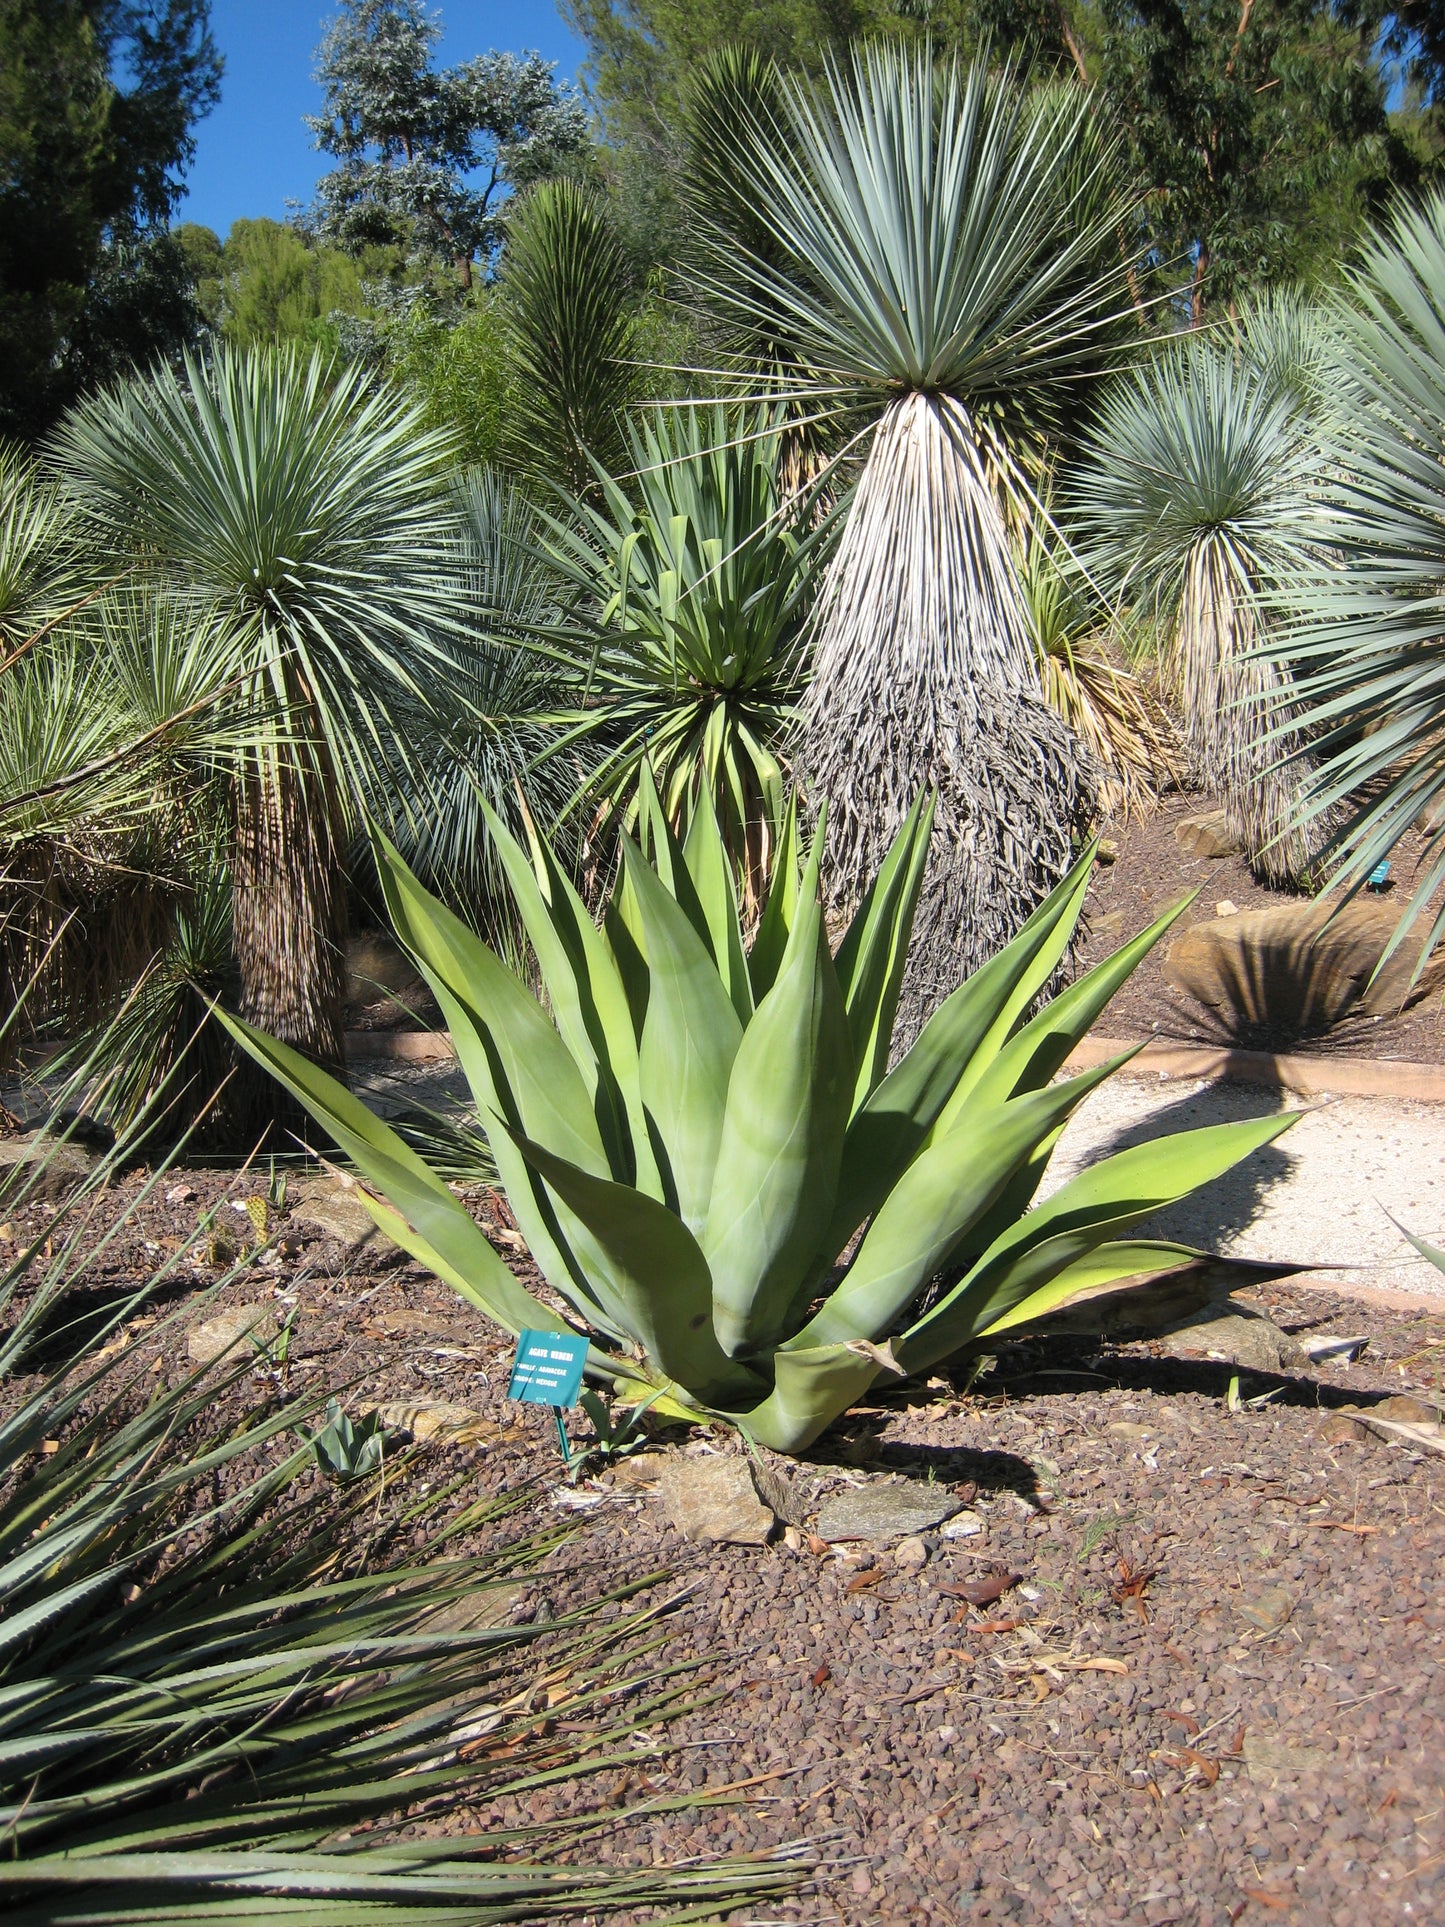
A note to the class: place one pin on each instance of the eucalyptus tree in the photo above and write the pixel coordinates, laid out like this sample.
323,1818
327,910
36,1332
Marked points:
942,257
1194,501
308,518
1368,647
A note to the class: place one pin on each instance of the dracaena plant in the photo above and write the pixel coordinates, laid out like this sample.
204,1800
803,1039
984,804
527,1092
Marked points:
712,1161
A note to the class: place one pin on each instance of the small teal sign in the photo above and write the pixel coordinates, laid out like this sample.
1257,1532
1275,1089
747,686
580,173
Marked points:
548,1368
1379,876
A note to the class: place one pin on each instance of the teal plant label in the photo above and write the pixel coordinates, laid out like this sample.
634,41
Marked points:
548,1368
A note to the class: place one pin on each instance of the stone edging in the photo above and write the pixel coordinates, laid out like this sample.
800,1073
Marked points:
1310,1076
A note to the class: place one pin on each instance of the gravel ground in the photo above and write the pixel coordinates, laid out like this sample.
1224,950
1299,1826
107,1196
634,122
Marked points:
1214,1693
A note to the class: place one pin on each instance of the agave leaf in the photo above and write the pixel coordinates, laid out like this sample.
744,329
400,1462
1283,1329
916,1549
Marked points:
1122,1266
812,1389
771,937
690,1037
945,1188
518,1068
659,1276
782,1139
1110,1197
712,874
874,950
442,1235
968,1026
660,846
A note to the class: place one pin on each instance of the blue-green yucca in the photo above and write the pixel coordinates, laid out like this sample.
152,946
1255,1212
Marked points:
695,1136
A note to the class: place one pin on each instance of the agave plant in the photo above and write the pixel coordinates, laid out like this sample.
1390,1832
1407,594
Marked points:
713,1164
1195,504
222,1693
940,260
699,578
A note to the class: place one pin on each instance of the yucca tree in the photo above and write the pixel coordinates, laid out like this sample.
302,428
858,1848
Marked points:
697,578
1368,648
941,258
42,569
1194,506
308,517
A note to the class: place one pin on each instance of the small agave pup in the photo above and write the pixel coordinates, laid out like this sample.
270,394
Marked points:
694,1138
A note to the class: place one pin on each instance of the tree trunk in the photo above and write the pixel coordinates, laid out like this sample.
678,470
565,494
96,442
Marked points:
289,901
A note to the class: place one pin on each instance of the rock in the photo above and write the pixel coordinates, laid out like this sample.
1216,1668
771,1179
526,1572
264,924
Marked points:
334,1208
377,968
910,1553
1206,835
1342,1427
1401,1407
57,1168
1226,908
1266,1609
714,1501
1237,1337
880,1511
180,1194
433,1418
1123,1429
1282,967
1107,850
639,1473
964,1525
1114,924
206,1342
1271,1761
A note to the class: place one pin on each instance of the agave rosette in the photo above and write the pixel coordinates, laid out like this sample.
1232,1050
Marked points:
710,1157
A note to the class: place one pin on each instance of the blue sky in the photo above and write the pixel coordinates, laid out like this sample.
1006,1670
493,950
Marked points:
253,154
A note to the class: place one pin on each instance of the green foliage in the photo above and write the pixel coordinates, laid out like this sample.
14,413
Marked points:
461,373
426,157
1261,132
1368,647
97,102
276,287
697,577
221,1687
692,1133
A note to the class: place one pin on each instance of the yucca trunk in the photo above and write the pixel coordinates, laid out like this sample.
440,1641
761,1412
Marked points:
288,896
1235,702
923,679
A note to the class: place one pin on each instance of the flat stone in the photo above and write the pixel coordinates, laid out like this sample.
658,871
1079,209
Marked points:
1282,967
334,1209
1206,834
433,1418
1270,1760
964,1525
1345,1427
58,1167
206,1342
713,1501
1266,1609
910,1553
1242,1338
879,1512
1124,1429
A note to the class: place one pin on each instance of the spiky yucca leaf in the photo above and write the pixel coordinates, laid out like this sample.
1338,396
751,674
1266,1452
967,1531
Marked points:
691,1137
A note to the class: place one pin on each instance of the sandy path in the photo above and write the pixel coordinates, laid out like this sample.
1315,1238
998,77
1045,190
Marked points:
1318,1195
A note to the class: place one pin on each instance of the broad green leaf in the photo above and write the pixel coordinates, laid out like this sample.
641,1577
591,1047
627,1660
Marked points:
782,1138
690,1036
887,1132
441,1234
1108,1198
1037,1052
874,950
771,937
660,846
658,1276
1128,1265
942,1192
712,875
811,1390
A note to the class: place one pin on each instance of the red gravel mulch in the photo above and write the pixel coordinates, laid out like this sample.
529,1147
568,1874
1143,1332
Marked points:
1214,1691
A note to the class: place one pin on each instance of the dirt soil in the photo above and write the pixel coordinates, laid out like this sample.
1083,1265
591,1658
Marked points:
1213,1688
1151,871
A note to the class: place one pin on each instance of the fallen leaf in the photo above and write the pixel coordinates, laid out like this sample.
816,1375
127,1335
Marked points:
1128,1588
1265,1897
1095,1663
1341,1525
992,1586
964,1657
985,1627
1207,1769
822,1676
818,1547
1191,1726
864,1580
1041,1687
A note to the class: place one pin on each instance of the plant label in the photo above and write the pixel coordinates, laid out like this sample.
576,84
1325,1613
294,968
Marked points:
548,1368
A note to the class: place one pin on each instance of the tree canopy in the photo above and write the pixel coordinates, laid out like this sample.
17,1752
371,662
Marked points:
98,103
426,155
